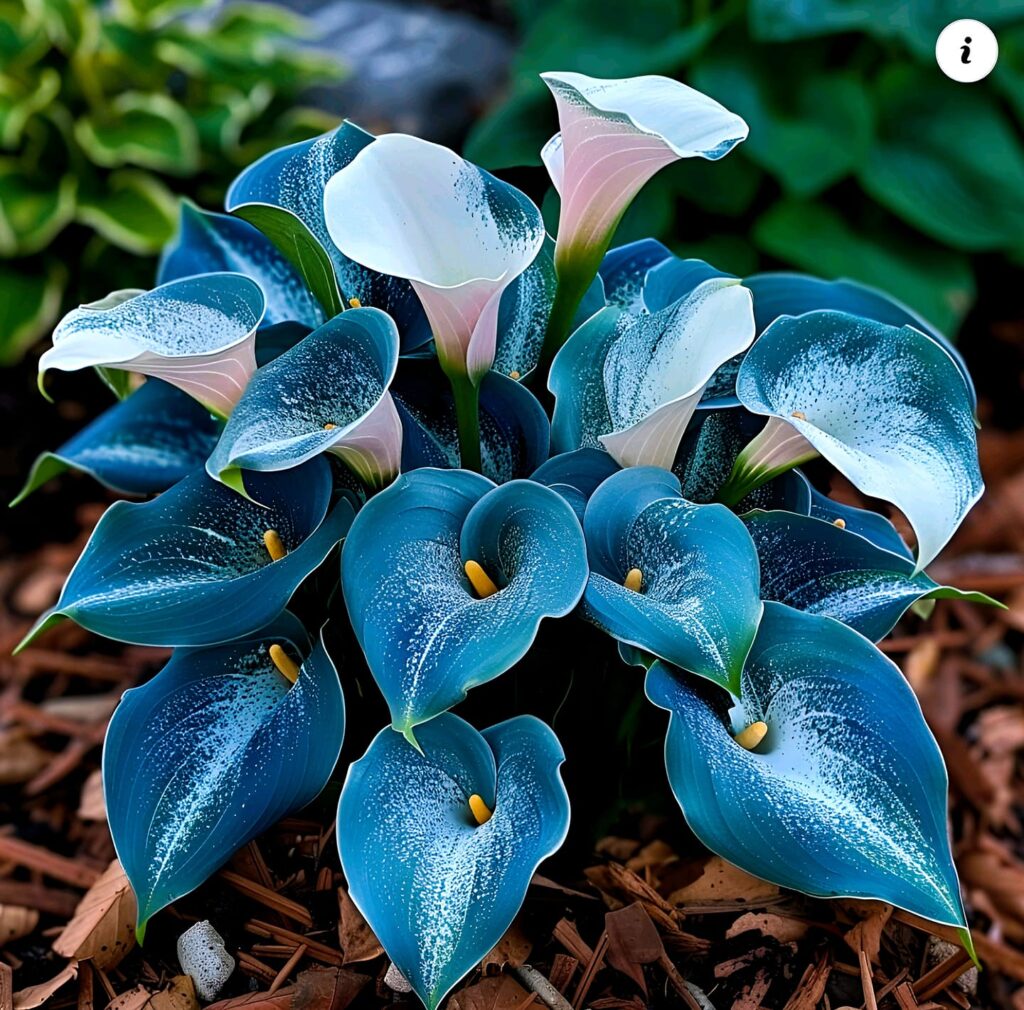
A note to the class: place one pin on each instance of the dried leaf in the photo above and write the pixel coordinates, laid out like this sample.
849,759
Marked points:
91,806
20,757
633,941
511,950
498,993
37,995
16,922
723,883
280,1000
179,995
780,927
355,937
103,926
327,988
866,935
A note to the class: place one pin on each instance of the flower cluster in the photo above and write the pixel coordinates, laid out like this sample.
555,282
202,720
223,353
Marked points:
357,353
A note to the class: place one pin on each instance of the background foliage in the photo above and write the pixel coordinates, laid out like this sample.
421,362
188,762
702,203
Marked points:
107,113
863,160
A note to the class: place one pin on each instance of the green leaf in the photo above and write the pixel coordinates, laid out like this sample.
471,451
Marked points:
19,102
137,212
148,11
29,306
808,129
33,211
935,282
149,130
304,252
947,161
513,134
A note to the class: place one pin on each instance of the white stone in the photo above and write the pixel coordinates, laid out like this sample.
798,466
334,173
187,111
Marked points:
202,955
395,980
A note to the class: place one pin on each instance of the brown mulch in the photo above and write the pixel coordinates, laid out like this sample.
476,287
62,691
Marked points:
643,925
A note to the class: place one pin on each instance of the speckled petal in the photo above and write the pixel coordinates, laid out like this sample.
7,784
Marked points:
197,333
191,567
576,475
624,272
211,752
885,405
698,604
438,889
337,377
846,796
428,638
813,565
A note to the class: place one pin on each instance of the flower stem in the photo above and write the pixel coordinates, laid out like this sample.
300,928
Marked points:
777,448
467,416
575,276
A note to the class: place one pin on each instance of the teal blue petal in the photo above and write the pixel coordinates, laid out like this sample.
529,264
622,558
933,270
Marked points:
141,445
515,435
813,565
886,406
426,635
846,795
211,752
191,567
576,475
698,605
337,375
207,243
437,888
870,525
624,271
292,179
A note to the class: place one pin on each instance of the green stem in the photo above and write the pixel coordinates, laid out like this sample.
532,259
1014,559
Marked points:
467,416
573,282
777,448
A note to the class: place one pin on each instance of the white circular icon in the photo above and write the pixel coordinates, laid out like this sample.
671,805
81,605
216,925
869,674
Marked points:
966,50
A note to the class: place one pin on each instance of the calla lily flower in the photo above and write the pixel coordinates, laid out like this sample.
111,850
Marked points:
823,777
885,405
624,271
141,445
207,243
197,333
824,568
675,579
615,135
327,393
631,383
576,476
446,579
416,210
515,434
200,565
217,747
439,845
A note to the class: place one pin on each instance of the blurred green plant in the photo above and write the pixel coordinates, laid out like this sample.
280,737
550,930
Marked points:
863,160
109,110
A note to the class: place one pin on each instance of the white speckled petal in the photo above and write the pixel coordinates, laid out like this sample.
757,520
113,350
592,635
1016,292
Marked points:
846,795
197,333
438,889
886,405
415,210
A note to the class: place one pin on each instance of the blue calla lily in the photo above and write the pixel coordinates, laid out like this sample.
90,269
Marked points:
524,311
814,565
140,445
624,272
631,382
192,567
328,392
208,242
212,751
437,887
845,795
272,341
709,450
885,405
429,631
198,333
870,525
290,182
514,431
675,579
576,475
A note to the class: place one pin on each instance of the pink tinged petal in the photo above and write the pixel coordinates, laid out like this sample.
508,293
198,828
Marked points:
373,447
659,364
615,135
412,209
484,341
197,333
